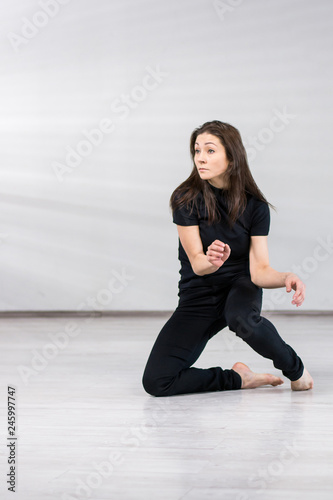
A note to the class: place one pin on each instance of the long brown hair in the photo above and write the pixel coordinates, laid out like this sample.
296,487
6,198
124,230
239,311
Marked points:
238,176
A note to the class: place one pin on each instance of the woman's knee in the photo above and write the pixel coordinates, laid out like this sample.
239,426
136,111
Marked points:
243,322
243,307
154,385
150,384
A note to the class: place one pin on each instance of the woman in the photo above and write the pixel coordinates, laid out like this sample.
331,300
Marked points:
223,222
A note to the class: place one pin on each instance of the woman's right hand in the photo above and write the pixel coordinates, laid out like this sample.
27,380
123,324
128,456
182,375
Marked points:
218,252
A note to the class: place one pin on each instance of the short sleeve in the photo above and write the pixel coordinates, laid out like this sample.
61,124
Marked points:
182,217
260,219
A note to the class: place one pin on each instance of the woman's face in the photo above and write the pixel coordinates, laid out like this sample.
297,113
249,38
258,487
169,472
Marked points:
210,159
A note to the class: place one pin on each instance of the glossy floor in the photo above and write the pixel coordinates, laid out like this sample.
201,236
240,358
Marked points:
86,428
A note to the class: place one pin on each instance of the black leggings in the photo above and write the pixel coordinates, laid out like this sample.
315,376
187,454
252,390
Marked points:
201,313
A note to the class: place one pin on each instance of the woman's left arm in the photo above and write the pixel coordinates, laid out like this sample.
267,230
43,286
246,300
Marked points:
265,276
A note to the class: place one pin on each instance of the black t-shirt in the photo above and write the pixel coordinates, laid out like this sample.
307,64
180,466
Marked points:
254,221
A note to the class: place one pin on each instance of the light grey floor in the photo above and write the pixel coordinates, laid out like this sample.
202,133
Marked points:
87,429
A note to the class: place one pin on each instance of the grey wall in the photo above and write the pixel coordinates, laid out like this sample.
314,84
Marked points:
85,222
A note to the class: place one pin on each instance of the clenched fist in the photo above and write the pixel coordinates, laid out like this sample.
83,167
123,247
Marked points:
218,252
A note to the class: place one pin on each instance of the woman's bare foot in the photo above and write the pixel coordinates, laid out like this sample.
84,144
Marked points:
250,380
304,383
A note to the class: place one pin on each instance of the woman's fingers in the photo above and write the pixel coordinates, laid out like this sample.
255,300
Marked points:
215,250
294,283
215,254
218,251
299,296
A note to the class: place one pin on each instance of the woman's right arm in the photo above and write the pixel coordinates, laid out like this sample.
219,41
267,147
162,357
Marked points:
217,252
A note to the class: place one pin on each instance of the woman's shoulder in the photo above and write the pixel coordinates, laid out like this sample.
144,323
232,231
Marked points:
257,215
187,214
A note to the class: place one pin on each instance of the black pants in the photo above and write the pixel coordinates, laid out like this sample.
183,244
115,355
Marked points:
201,313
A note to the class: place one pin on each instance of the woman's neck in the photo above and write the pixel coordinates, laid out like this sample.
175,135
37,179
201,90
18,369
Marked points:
218,185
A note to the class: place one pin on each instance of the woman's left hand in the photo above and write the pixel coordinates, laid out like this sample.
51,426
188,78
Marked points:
293,282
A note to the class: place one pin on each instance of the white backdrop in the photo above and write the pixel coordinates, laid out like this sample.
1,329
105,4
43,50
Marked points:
98,101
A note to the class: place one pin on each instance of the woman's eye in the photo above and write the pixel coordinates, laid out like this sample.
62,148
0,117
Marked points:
197,151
